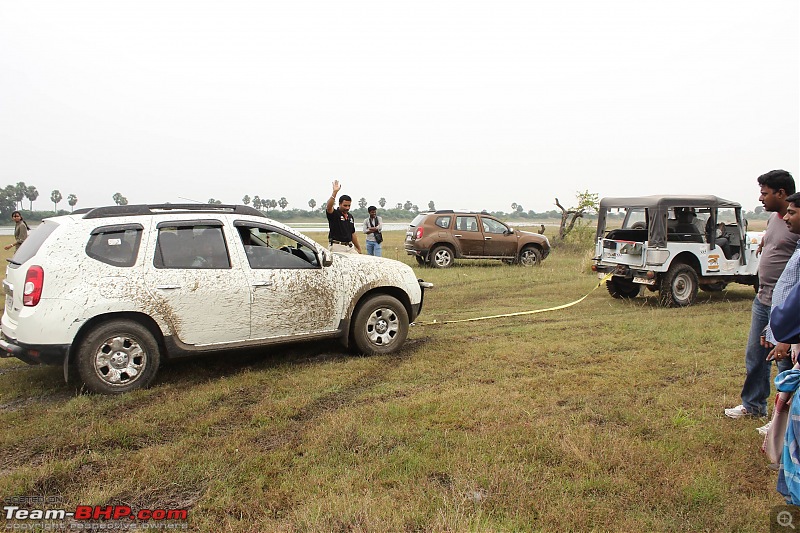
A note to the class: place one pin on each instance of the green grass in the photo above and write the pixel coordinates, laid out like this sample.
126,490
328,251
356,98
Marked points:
603,416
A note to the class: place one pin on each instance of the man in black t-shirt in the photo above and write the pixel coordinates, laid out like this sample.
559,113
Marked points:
342,235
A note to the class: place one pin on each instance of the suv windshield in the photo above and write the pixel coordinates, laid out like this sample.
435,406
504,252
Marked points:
32,244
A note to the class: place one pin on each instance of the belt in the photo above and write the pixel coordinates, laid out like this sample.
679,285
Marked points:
340,242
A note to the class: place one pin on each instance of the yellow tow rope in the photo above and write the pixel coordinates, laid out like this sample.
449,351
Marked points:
579,300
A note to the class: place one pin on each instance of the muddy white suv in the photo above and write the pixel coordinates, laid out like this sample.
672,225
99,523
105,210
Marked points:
674,245
113,291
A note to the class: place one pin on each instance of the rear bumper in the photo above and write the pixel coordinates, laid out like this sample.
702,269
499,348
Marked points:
34,354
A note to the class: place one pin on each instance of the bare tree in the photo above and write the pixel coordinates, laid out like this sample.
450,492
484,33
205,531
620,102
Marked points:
587,203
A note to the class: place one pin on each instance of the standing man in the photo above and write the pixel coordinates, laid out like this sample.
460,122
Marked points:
776,248
341,225
373,226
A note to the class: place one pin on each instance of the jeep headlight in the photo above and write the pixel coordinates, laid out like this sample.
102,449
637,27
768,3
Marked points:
657,257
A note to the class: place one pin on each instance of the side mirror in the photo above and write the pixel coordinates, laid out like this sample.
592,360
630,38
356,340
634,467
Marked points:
327,257
509,231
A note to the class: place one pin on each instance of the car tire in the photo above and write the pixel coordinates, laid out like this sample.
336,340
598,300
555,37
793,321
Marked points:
530,256
118,356
441,257
380,325
622,288
714,287
678,286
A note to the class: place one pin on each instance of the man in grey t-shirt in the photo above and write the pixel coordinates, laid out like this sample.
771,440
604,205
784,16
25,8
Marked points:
776,248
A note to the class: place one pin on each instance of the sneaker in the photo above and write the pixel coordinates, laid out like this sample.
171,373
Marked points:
737,412
763,429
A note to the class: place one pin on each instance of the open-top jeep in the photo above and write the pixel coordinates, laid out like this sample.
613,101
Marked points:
674,244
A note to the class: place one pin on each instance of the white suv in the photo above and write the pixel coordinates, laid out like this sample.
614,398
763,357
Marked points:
114,290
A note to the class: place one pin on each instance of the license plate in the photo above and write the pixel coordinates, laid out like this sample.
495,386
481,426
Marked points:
644,281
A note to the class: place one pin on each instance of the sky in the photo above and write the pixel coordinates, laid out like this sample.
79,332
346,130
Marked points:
469,104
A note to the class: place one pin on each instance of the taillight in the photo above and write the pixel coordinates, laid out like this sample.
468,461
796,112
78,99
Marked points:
419,233
34,281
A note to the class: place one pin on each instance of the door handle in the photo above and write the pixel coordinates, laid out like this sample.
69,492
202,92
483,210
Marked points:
167,287
487,238
262,284
456,235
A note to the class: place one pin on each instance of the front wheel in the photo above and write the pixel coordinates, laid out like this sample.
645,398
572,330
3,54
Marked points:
441,257
678,286
530,256
118,356
380,325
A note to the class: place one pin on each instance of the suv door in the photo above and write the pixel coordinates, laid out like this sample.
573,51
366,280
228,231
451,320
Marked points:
194,284
469,236
498,239
291,293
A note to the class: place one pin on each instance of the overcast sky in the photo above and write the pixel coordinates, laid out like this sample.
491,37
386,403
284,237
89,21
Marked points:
471,104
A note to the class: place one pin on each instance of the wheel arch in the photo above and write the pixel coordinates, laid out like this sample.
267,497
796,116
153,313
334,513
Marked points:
689,259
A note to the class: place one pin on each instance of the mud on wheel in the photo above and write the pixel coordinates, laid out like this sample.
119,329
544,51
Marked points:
380,325
118,356
678,286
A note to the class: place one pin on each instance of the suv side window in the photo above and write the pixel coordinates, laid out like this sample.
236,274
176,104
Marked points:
443,222
467,223
195,247
267,248
115,245
493,226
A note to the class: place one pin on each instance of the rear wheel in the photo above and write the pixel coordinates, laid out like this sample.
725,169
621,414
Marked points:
678,286
441,257
380,325
622,288
118,356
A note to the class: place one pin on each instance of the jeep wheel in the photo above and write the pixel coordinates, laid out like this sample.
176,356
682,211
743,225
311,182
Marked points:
714,287
441,257
380,325
118,356
622,288
678,286
530,256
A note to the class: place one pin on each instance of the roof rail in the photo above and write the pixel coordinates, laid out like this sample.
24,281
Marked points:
152,209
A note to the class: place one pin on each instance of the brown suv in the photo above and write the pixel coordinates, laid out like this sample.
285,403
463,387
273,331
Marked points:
439,237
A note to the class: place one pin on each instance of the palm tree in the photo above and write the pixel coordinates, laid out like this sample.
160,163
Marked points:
257,202
55,197
312,204
362,203
283,202
119,199
382,202
72,200
19,192
246,199
31,194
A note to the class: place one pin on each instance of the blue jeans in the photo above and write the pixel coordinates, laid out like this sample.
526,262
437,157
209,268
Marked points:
374,248
755,390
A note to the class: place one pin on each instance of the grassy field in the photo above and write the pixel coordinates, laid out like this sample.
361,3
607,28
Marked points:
603,416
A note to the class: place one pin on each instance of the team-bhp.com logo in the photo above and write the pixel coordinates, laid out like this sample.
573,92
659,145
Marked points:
92,517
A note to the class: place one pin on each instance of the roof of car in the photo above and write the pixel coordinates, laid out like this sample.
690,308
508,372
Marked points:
665,201
153,209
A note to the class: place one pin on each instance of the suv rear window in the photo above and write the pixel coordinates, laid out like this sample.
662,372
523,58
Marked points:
443,222
417,220
115,245
31,246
